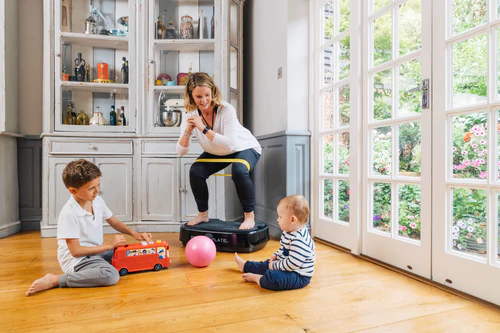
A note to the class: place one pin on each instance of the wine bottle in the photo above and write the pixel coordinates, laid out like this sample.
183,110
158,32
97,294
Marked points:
68,119
112,116
122,115
213,24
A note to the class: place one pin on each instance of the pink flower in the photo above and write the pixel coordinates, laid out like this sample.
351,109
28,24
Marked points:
413,225
411,217
479,241
483,175
464,152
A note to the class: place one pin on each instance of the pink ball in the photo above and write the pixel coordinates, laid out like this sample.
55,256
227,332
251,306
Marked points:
200,251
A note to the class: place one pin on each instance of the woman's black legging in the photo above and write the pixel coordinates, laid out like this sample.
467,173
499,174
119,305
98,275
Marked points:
199,173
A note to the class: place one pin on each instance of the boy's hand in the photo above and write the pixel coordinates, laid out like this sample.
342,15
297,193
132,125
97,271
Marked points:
145,236
271,264
117,241
273,257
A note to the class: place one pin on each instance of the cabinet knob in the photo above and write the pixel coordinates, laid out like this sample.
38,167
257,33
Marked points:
91,146
57,54
181,189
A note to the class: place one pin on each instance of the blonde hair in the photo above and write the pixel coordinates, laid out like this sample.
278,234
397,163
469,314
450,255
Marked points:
200,79
297,205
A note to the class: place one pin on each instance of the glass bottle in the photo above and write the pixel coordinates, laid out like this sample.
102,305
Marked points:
82,118
122,116
213,24
112,116
159,27
68,119
73,114
170,30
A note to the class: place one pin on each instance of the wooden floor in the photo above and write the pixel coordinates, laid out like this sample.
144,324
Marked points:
347,294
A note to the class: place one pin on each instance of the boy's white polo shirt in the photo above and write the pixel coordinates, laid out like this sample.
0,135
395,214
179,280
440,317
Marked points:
76,222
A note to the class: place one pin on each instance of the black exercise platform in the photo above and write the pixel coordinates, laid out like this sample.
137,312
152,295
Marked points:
226,235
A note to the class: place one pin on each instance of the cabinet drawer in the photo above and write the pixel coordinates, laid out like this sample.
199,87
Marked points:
167,148
90,147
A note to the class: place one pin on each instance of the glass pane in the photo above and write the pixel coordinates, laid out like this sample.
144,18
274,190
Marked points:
344,195
498,63
328,103
234,20
235,103
328,17
345,14
410,27
409,211
345,57
409,77
469,71
469,225
382,39
378,4
328,153
328,66
468,14
410,149
382,151
498,228
328,198
382,95
382,203
344,105
498,146
344,152
234,68
470,146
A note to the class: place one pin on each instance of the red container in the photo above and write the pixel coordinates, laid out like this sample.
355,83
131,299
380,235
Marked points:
102,71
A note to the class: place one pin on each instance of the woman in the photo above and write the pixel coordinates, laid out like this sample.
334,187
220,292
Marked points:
221,136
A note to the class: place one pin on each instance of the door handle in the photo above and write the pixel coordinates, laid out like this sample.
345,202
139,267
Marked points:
425,93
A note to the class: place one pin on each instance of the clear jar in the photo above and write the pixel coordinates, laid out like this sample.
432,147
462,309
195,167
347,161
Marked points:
186,29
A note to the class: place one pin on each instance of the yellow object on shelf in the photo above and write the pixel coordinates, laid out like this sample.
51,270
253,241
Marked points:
103,81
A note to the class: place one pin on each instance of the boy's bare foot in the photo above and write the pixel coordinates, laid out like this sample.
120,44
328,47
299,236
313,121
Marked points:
249,221
202,217
239,261
250,277
47,282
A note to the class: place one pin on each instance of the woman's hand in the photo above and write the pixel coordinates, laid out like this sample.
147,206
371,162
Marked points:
195,121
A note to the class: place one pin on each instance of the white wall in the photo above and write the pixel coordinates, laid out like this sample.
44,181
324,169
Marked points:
276,34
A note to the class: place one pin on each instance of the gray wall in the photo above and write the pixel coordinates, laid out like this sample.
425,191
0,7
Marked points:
276,34
9,200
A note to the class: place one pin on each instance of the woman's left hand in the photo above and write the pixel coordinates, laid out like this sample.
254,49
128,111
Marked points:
197,122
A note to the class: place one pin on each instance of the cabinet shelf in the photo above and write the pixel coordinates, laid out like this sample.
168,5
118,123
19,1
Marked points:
172,89
101,41
184,45
95,87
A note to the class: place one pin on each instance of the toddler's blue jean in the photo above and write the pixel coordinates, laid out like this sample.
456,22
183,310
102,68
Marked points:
276,280
199,173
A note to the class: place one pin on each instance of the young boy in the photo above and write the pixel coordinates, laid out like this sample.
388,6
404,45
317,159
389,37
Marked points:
292,266
83,257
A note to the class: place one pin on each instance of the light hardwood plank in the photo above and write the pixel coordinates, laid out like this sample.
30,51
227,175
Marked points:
346,294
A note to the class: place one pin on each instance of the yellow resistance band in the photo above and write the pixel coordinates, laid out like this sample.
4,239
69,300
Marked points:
224,160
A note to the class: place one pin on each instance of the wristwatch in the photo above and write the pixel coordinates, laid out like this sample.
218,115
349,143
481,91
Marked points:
206,129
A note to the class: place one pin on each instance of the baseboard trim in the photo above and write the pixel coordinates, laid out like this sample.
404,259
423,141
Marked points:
10,229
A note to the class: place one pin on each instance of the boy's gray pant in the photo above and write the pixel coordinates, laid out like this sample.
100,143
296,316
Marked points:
92,271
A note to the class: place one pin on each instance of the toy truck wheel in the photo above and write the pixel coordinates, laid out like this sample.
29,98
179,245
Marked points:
157,267
123,271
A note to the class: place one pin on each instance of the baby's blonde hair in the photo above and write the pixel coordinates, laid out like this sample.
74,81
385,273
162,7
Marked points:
297,205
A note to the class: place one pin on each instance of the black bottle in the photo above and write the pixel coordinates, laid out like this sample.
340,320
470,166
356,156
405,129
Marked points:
80,68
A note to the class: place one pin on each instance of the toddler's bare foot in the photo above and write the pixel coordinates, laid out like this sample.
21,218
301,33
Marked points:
249,221
202,217
250,277
240,262
47,282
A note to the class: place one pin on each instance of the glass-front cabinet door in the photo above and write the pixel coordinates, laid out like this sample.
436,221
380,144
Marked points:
181,40
94,67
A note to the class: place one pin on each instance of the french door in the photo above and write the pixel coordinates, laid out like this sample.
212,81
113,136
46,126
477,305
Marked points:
466,165
336,35
397,127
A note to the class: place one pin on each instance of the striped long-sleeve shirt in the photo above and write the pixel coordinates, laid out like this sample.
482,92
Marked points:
296,253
